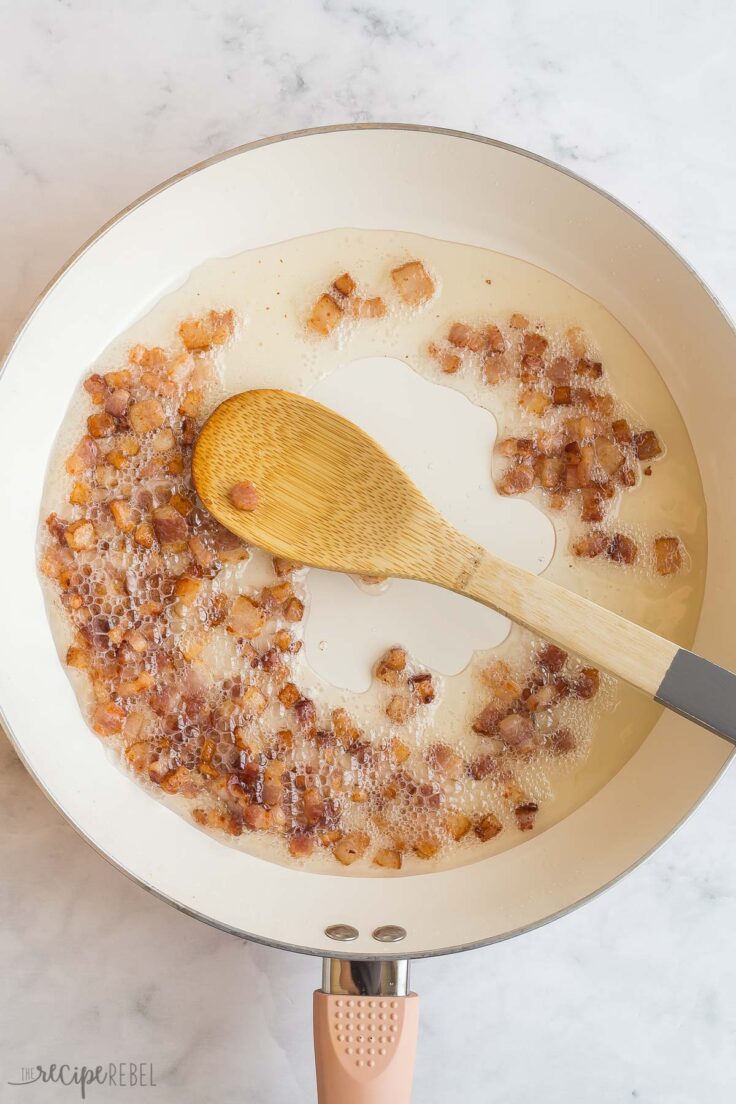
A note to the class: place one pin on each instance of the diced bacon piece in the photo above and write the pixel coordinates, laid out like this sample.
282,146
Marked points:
426,848
253,702
351,847
552,658
516,730
561,742
622,549
534,344
170,527
494,370
487,721
80,535
257,817
344,284
78,656
289,695
495,343
592,504
325,315
531,370
191,404
483,766
590,369
525,815
247,620
551,472
154,357
667,555
448,362
107,718
487,827
146,415
497,676
144,535
56,526
602,405
518,321
129,687
399,709
562,396
124,515
517,479
117,402
187,589
465,337
587,683
391,665
80,493
388,858
559,372
647,445
591,544
445,760
301,845
294,610
215,328
164,440
522,447
85,455
285,567
549,443
534,402
244,495
609,456
413,283
422,687
345,729
96,388
367,308
101,425
457,824
543,698
621,431
306,713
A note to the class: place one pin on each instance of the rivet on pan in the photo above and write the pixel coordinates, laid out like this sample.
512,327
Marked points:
389,933
343,933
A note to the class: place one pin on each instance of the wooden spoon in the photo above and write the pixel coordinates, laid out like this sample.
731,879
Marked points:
330,497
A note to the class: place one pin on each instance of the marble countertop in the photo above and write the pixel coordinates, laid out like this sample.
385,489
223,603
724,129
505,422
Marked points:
630,998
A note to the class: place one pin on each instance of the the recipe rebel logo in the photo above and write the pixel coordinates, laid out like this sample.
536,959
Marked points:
117,1075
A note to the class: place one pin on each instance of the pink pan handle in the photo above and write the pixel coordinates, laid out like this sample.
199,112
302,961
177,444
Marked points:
364,1048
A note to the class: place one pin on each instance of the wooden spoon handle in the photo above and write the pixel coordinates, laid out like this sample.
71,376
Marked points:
690,685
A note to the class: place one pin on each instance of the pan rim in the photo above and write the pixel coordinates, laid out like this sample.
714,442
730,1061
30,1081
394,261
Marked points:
7,356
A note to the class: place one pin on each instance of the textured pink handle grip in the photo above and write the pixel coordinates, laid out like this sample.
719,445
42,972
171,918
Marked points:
364,1048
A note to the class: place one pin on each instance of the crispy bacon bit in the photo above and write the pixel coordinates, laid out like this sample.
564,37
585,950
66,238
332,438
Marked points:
518,322
422,687
367,308
552,658
146,415
497,675
486,723
289,695
518,479
390,666
622,549
551,472
344,284
346,731
446,761
516,730
244,496
562,396
301,845
525,815
285,567
534,402
592,504
587,684
426,848
483,766
351,847
413,283
101,425
399,709
187,589
144,535
465,337
487,827
647,445
80,535
124,516
85,455
294,610
591,544
117,402
543,698
388,858
667,555
214,328
534,344
96,388
170,527
621,431
448,362
609,456
247,620
326,313
107,718
559,372
521,447
590,369
457,824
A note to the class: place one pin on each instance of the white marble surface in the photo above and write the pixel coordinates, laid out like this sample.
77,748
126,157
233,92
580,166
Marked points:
632,998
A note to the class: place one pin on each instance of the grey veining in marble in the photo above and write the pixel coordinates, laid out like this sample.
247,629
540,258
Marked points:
633,997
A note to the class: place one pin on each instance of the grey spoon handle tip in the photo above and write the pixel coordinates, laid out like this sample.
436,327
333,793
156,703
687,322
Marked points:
701,691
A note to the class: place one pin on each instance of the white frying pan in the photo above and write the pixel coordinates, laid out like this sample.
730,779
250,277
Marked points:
446,185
